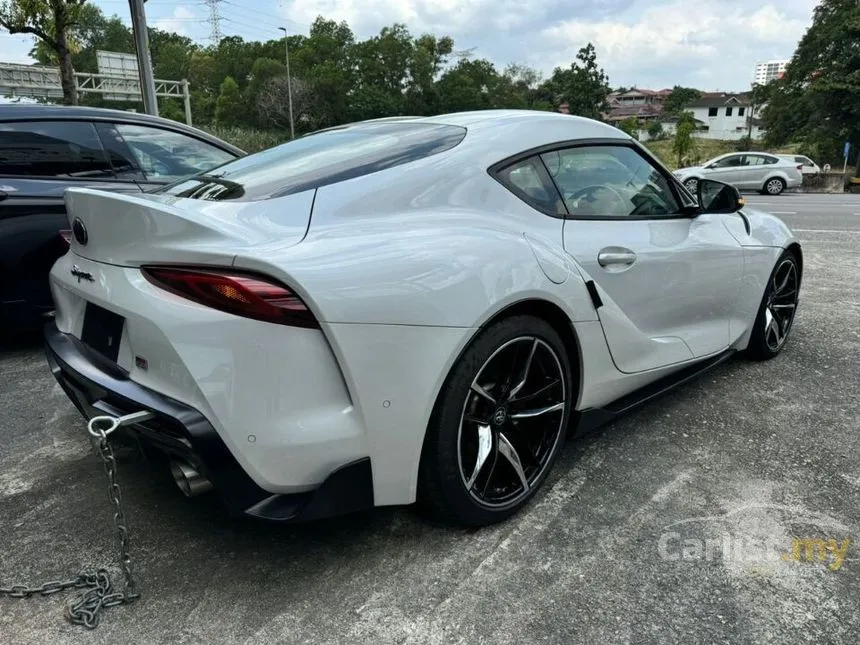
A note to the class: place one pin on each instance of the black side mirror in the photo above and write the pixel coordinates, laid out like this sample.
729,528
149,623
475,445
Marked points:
717,197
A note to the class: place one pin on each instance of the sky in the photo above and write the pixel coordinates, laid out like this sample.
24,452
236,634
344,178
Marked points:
709,44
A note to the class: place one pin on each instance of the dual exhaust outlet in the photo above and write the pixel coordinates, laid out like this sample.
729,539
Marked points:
188,479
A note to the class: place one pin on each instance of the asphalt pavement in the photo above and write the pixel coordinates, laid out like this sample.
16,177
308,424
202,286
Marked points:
689,521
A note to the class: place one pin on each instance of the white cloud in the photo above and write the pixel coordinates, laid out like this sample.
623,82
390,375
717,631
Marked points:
178,21
712,44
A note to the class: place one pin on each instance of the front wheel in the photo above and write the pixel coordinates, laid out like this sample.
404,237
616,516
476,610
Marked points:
777,310
498,424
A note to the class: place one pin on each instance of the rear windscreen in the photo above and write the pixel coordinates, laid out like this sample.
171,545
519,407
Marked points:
318,159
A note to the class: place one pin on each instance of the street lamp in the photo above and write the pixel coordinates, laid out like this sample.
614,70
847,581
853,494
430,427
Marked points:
289,81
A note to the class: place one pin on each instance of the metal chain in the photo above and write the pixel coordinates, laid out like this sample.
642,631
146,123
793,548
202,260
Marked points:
100,594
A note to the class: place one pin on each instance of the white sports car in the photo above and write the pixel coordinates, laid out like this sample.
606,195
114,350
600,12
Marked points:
408,309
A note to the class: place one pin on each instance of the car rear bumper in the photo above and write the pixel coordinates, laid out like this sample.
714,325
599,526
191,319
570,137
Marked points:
97,386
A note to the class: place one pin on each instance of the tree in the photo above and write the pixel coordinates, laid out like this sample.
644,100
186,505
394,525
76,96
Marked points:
583,86
679,98
263,71
50,21
228,108
273,103
682,144
630,125
817,101
655,130
469,85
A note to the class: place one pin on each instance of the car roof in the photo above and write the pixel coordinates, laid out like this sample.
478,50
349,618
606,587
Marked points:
31,112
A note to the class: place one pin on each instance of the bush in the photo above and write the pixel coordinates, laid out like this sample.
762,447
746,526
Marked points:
655,130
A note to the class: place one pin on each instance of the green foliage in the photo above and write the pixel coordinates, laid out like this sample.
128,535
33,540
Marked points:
744,144
630,125
334,77
687,118
584,86
679,98
817,102
249,140
682,144
228,108
51,21
655,130
171,109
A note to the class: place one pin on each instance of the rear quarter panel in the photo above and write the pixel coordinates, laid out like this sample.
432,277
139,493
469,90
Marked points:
395,248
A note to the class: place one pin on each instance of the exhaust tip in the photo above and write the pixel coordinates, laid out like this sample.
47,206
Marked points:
189,481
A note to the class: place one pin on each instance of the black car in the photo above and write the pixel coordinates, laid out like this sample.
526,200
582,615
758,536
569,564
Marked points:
45,149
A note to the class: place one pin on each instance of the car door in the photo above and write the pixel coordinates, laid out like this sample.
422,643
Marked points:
164,156
725,169
667,279
752,171
39,159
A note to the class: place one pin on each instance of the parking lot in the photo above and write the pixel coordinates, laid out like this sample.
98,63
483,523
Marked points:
651,530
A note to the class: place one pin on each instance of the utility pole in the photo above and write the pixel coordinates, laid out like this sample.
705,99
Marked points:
144,63
289,81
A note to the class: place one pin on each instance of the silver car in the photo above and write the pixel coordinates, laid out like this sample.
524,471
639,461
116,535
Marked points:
761,171
807,165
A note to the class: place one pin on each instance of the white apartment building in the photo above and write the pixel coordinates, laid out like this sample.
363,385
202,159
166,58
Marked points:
768,71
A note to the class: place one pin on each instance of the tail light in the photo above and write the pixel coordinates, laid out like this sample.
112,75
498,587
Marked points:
67,236
235,293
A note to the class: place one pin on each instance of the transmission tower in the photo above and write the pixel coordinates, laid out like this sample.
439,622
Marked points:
214,21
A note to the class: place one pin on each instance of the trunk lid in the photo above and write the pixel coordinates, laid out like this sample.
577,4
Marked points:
130,230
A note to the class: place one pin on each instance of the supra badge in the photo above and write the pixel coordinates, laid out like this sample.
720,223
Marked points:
81,275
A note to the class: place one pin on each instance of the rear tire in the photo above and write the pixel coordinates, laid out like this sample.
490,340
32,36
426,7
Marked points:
777,310
773,186
498,424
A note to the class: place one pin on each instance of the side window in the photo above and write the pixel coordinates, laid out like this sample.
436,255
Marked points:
611,182
727,162
753,160
121,159
526,180
62,149
768,160
164,155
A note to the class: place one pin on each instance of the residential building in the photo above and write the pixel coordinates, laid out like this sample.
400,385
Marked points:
646,105
725,116
769,71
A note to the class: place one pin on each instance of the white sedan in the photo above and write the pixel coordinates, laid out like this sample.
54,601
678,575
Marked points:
408,309
761,171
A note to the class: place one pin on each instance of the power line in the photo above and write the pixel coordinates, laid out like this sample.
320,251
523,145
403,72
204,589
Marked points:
277,17
247,26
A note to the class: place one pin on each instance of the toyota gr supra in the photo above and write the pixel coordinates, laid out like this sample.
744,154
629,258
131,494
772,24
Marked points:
411,309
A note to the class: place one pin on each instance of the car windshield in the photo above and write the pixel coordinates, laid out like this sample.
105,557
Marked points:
318,159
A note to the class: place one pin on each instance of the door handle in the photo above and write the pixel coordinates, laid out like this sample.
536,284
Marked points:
615,256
